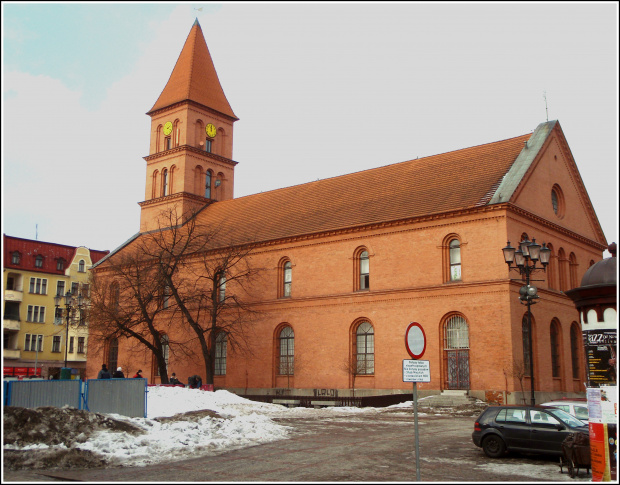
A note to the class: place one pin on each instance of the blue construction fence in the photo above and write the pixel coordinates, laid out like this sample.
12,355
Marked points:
126,397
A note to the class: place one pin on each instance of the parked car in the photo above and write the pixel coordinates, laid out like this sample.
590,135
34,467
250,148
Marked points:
579,409
527,429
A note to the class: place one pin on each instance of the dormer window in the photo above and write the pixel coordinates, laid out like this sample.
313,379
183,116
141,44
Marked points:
60,264
38,262
81,266
15,257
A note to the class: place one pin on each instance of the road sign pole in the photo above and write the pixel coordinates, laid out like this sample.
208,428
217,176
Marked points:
417,436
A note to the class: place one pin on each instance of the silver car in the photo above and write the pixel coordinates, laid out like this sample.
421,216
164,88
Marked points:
579,409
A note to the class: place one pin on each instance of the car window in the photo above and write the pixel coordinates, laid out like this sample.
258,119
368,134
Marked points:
543,418
511,416
563,407
581,412
567,418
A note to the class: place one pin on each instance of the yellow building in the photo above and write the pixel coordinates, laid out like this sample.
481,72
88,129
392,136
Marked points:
38,339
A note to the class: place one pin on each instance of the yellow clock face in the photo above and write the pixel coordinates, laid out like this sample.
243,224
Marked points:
168,128
211,130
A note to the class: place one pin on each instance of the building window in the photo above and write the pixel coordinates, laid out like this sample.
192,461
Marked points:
208,145
115,295
15,257
167,143
220,354
60,264
75,288
554,336
58,316
164,182
285,278
38,286
455,260
365,349
362,269
563,269
557,201
71,344
56,344
34,343
81,265
208,184
36,314
165,348
575,343
525,336
222,288
166,297
38,262
80,347
286,356
112,354
572,270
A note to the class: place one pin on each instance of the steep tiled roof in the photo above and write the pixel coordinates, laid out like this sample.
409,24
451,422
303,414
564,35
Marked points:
432,185
194,77
29,249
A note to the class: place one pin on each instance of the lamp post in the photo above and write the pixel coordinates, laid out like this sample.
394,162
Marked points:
70,304
525,258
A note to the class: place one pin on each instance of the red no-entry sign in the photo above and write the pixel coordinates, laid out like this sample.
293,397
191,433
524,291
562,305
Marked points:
415,340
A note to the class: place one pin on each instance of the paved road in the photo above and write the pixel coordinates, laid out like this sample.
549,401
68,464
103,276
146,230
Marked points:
355,448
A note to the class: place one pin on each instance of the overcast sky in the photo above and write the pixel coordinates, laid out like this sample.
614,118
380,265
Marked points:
321,90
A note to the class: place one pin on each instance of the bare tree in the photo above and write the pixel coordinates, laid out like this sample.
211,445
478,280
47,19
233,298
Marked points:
519,372
189,276
353,369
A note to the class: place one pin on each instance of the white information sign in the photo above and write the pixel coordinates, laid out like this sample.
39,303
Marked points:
416,371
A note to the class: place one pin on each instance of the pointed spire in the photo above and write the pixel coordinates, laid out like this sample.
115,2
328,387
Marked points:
194,77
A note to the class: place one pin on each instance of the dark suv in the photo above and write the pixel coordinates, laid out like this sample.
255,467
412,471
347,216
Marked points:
528,429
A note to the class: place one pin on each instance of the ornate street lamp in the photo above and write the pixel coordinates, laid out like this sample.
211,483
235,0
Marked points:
70,305
525,258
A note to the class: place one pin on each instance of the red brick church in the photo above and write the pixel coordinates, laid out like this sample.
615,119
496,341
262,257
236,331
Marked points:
350,261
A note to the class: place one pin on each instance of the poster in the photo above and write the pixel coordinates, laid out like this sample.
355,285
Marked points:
603,411
601,347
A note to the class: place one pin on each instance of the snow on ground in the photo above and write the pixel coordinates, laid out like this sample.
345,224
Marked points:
181,423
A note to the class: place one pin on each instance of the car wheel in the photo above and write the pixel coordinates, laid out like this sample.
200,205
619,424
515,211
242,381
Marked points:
493,446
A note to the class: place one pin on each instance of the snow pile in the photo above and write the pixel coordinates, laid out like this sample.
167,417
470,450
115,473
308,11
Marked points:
181,423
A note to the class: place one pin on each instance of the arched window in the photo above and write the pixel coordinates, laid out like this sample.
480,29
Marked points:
563,269
365,349
220,354
81,266
362,269
455,260
286,354
554,337
456,353
208,176
154,184
165,348
114,296
222,287
112,354
572,270
552,268
164,183
575,344
285,278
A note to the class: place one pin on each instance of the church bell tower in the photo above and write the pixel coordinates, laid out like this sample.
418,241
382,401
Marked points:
190,158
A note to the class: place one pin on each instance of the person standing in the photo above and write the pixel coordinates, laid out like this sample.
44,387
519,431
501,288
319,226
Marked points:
118,374
138,375
104,373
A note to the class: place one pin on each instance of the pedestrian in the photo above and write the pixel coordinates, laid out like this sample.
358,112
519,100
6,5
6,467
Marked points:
104,373
174,380
138,374
118,374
